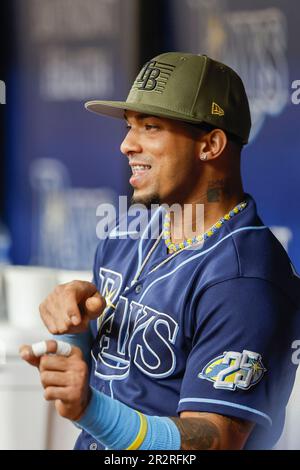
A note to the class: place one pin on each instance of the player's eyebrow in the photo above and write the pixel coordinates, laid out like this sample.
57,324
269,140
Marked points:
139,116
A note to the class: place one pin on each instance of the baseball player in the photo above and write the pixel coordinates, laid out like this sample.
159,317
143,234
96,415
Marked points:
180,342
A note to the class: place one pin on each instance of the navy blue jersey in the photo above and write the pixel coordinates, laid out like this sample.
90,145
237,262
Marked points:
208,330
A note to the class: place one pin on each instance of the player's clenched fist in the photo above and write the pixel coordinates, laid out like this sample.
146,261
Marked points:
70,307
64,377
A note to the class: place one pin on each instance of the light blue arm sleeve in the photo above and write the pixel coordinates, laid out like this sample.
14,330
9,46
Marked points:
116,425
83,341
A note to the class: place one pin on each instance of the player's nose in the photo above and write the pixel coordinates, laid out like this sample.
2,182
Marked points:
130,144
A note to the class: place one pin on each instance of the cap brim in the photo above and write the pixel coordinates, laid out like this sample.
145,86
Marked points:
117,109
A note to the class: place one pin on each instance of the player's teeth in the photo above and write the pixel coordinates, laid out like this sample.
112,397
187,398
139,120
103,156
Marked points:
140,167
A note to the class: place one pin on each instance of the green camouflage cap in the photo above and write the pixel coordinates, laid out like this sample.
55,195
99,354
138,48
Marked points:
186,87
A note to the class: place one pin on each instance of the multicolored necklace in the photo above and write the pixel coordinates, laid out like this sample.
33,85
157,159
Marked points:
173,247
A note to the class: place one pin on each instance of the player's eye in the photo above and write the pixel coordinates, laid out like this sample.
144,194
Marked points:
148,127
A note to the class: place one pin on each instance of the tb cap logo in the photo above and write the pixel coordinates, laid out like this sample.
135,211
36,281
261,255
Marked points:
154,76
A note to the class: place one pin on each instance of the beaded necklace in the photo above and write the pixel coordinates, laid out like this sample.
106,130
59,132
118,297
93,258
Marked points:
195,240
174,247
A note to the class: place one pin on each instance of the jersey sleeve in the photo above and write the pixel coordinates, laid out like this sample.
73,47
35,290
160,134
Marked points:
240,362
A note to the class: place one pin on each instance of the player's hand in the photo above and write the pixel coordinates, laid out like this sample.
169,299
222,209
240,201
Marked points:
32,354
65,379
70,307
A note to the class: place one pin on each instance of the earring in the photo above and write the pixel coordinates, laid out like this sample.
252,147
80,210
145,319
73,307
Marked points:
203,156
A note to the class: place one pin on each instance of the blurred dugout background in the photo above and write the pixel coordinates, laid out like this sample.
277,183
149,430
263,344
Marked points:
59,162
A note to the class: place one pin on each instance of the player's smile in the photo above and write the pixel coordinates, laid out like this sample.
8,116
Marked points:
140,174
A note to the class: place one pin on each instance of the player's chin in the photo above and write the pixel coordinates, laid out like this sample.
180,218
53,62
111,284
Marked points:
145,198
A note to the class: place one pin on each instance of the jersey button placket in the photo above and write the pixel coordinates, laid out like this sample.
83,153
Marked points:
138,289
93,446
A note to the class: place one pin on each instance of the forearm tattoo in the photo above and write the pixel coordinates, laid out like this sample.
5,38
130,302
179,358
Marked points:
198,434
203,434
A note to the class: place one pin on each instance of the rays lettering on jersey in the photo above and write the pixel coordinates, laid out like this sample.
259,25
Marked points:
132,333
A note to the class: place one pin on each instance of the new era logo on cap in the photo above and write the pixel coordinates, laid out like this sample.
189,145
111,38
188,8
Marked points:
216,109
154,76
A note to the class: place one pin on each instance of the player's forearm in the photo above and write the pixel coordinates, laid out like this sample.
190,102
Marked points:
118,426
202,433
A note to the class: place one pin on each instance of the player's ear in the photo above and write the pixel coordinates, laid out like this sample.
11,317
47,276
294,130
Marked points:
211,144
